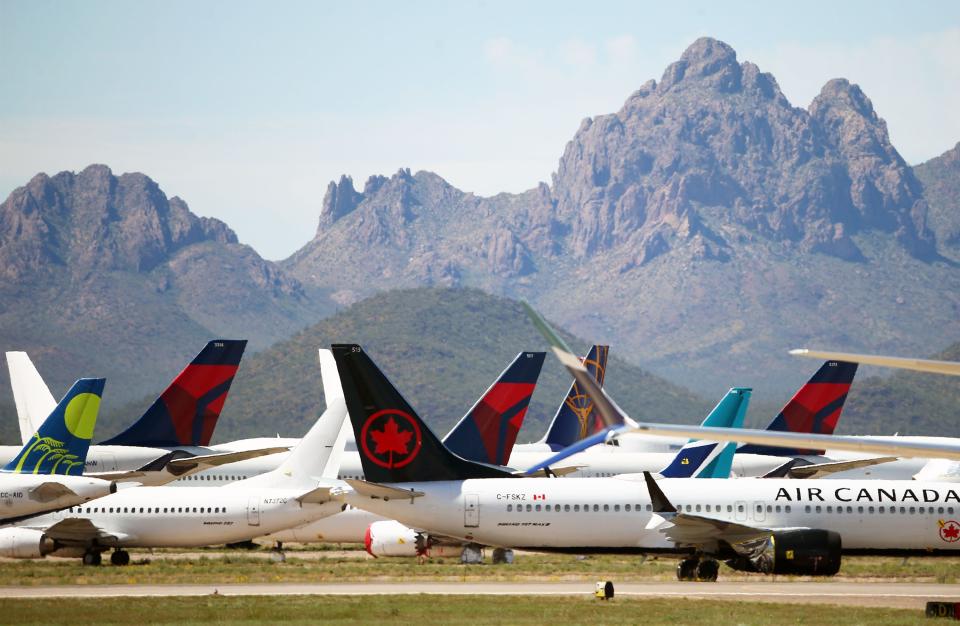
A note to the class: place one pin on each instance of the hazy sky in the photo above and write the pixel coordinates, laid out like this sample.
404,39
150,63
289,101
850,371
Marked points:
248,110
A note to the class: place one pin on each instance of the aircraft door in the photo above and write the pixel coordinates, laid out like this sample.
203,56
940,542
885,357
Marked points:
108,462
253,511
741,507
758,512
471,510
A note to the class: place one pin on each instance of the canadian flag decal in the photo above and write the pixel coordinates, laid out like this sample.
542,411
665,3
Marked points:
539,496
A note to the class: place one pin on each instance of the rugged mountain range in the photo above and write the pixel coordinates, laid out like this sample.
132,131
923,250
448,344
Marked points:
103,275
704,228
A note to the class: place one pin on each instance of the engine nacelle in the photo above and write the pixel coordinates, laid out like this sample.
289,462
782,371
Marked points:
24,543
391,538
804,552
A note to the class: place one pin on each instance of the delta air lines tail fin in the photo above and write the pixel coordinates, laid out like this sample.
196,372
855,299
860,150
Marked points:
394,444
186,412
60,444
710,459
488,431
815,408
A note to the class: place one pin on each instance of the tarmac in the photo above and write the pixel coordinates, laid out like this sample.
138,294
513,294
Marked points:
871,594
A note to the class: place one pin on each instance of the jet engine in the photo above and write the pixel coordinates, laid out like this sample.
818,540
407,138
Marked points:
391,538
802,551
24,543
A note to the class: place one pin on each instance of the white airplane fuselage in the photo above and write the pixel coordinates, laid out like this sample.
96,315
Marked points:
172,517
612,514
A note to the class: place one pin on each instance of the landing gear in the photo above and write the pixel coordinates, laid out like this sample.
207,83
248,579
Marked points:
91,558
277,555
502,555
687,569
472,554
119,557
707,571
702,570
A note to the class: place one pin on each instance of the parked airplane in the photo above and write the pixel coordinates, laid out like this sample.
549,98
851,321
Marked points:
300,490
47,472
171,439
771,526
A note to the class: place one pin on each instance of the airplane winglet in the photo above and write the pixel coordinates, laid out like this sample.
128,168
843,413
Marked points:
657,498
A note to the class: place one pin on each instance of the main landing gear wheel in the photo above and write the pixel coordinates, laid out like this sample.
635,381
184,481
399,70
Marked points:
120,557
91,558
707,571
687,569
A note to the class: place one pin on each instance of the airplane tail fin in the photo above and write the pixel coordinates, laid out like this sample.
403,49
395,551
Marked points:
710,459
186,412
30,394
60,444
576,419
394,444
815,408
318,454
489,430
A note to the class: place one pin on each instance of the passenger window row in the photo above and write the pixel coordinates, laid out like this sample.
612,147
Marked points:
870,510
575,508
147,510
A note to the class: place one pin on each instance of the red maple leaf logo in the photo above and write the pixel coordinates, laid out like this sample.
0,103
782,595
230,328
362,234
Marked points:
950,531
392,444
390,439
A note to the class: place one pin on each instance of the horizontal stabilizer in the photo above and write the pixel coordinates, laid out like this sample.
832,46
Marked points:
318,495
49,491
378,491
547,472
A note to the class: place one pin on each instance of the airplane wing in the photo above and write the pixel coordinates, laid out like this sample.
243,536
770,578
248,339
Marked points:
50,490
380,491
79,531
613,415
818,470
697,531
950,368
170,466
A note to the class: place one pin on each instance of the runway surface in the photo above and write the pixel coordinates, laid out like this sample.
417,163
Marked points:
877,594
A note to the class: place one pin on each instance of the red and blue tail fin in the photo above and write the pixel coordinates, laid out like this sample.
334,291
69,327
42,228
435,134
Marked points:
186,413
394,444
489,430
575,418
815,408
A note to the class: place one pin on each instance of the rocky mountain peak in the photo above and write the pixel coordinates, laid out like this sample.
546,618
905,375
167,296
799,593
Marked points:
96,220
706,62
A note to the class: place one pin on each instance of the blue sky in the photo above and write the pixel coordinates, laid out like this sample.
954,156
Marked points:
247,110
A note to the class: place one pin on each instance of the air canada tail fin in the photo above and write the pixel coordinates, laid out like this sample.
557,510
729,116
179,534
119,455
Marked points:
815,408
186,412
61,443
576,419
489,430
710,459
394,444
